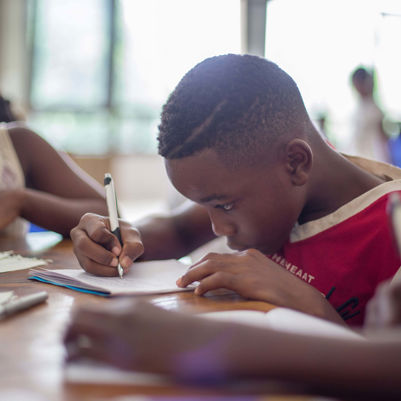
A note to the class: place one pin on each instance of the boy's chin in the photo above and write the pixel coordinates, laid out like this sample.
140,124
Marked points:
235,246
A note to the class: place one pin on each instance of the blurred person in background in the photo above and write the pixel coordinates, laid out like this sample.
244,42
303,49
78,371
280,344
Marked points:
368,138
7,115
38,183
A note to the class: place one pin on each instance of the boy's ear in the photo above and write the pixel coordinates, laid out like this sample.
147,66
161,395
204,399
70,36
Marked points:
299,159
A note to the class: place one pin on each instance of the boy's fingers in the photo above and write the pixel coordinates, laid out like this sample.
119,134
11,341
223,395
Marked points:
213,257
97,269
197,273
215,281
93,257
99,231
95,229
132,248
96,252
211,263
99,251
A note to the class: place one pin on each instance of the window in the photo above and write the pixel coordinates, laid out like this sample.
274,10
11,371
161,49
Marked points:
319,43
102,69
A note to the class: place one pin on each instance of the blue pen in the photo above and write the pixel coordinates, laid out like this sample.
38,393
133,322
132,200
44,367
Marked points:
113,215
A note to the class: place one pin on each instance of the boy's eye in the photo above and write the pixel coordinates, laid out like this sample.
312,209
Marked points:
226,206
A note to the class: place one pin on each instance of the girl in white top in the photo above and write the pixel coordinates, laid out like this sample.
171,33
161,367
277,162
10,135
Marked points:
41,185
11,177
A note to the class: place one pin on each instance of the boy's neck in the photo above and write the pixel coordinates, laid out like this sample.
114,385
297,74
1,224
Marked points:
336,182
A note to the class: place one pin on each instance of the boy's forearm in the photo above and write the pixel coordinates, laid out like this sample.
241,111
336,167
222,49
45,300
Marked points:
160,239
175,235
297,294
317,305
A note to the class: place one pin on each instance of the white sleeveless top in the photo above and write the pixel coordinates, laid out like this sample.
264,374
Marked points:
11,176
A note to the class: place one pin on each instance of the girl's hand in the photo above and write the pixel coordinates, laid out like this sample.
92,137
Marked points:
11,203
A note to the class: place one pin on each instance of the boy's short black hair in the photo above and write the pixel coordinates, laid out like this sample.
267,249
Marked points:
236,104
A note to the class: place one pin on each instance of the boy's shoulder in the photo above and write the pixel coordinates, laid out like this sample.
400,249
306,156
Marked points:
383,170
372,203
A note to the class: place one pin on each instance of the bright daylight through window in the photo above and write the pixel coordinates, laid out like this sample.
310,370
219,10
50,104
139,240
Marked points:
102,69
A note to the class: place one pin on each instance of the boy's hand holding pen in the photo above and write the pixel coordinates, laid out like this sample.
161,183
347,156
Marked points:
98,245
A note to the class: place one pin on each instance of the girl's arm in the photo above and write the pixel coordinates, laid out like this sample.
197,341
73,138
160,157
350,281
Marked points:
57,191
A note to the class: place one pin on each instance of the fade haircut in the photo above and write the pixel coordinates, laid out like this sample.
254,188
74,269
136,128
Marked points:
237,105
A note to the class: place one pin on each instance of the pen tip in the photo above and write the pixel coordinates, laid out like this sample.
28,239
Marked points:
120,270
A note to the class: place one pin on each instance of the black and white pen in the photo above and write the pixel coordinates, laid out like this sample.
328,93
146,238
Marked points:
21,303
111,199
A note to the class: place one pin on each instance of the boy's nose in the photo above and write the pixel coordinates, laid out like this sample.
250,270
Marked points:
221,227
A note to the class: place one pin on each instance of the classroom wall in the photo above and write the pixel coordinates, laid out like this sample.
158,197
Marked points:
141,182
139,176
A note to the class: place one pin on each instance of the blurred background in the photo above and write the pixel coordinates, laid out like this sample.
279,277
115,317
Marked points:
91,76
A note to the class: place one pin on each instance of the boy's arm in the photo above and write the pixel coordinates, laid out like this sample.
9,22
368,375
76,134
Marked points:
157,237
195,349
254,276
57,191
177,234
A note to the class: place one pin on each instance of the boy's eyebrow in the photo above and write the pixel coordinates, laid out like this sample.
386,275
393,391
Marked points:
212,197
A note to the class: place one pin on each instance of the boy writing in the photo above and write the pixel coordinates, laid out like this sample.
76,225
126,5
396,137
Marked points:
309,226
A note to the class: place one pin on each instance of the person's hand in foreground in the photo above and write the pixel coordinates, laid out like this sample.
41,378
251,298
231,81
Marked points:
139,336
133,335
98,250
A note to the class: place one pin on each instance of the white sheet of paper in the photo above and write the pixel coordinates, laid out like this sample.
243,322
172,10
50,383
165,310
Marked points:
11,262
143,278
285,319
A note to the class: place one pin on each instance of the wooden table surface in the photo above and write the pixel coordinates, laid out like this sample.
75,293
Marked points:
31,346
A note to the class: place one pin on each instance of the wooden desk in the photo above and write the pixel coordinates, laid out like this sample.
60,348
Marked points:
31,347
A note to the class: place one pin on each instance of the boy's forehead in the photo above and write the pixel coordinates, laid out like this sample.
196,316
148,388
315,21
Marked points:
205,164
204,177
204,171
